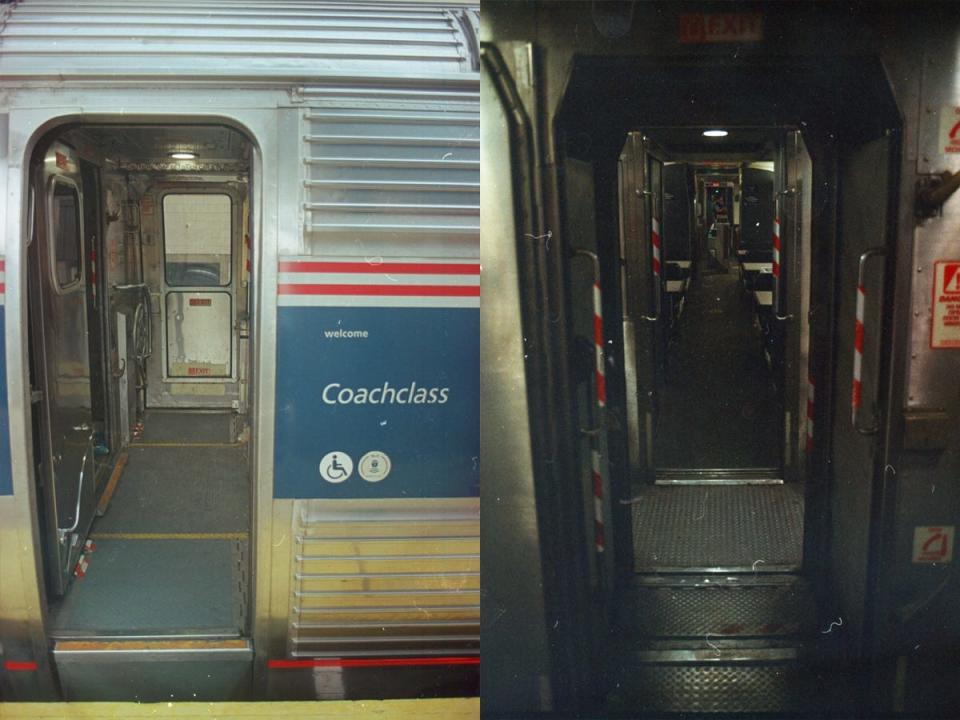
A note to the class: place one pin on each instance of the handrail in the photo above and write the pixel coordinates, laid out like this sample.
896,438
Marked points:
856,397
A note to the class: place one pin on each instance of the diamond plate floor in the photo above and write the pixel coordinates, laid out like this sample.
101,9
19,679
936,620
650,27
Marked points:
745,527
687,612
720,688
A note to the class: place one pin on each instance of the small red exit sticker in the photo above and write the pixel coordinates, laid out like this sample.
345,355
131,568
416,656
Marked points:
933,544
721,27
200,302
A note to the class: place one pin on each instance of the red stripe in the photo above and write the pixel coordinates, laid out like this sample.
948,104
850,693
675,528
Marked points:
382,290
862,289
656,266
598,533
386,267
598,330
776,269
856,393
601,388
249,265
776,242
371,662
3,287
810,409
3,265
19,666
858,337
655,238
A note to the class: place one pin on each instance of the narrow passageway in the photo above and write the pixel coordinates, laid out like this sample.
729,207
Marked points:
719,407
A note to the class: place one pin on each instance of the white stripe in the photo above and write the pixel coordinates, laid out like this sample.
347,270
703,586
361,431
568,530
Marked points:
299,278
348,301
598,509
860,302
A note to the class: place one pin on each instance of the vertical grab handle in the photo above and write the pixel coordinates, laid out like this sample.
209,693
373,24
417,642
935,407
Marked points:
655,258
777,259
600,385
599,376
856,397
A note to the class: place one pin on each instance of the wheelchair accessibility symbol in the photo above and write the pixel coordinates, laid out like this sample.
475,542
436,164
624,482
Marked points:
336,466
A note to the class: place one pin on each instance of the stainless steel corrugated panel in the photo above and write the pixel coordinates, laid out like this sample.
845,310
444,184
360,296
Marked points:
380,578
306,39
390,168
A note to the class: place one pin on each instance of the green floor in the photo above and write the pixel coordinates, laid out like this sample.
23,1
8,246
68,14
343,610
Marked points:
171,549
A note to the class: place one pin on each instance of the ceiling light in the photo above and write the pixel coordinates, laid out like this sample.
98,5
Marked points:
183,155
715,133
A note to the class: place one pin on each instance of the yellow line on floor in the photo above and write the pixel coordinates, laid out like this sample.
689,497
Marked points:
433,709
147,444
168,536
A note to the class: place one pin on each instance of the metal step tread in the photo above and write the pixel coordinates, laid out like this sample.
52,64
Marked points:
721,611
732,688
735,528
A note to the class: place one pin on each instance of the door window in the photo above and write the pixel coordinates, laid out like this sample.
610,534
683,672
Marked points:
196,234
65,223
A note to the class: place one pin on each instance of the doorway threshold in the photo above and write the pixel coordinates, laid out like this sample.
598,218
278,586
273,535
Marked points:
718,476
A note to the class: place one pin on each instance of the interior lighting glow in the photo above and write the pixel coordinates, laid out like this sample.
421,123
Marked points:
181,155
715,133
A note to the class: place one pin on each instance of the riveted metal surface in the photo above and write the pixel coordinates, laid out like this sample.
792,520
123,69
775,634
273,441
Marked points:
758,528
709,689
721,611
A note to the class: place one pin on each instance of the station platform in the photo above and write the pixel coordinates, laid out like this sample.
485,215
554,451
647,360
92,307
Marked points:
429,709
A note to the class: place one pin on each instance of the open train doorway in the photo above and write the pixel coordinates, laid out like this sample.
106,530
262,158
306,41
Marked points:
139,292
713,312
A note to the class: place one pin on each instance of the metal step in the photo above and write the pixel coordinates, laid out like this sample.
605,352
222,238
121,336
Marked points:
154,670
718,610
731,687
719,476
723,529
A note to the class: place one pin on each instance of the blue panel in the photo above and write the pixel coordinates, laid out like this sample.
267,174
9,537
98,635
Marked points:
6,481
409,390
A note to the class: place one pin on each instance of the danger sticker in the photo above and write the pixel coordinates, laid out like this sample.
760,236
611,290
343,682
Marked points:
945,332
933,544
950,129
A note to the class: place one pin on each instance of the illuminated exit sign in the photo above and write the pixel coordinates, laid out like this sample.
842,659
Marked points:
721,27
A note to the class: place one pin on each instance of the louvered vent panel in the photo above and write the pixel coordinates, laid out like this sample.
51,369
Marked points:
389,578
389,176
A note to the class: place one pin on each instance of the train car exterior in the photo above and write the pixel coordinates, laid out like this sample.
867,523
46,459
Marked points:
658,583
240,331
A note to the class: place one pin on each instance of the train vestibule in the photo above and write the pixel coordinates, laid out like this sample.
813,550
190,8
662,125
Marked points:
711,511
138,291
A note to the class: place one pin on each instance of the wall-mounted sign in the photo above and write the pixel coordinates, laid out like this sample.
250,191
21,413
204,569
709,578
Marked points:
933,544
950,129
945,330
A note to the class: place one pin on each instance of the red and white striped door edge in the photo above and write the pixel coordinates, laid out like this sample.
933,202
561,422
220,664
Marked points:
379,282
3,280
599,532
655,245
857,391
776,248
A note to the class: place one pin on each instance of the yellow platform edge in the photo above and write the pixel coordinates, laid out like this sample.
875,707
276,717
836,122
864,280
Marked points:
431,709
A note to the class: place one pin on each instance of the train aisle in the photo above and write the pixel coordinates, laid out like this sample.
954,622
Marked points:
719,407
